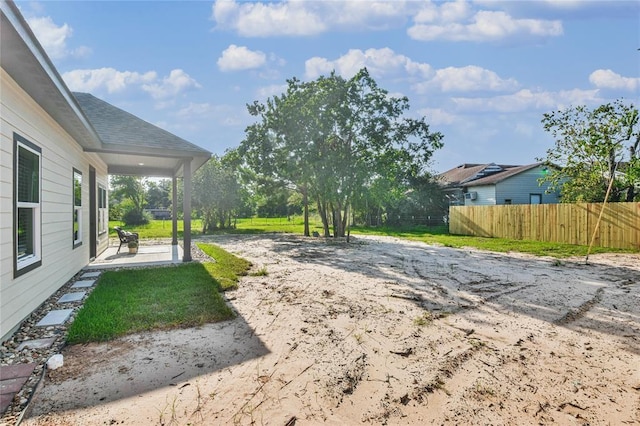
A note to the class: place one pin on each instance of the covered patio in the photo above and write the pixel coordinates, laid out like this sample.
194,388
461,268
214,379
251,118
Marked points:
134,147
157,254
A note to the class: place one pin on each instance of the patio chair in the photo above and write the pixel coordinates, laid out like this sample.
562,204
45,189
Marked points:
125,237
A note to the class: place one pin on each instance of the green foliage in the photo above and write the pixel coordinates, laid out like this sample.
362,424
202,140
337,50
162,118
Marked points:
132,216
158,194
130,301
227,267
592,147
331,138
129,191
216,194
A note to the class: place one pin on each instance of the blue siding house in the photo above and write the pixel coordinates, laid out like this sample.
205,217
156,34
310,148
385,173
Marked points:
494,184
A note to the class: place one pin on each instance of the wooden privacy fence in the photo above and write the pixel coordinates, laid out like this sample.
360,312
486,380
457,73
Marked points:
562,223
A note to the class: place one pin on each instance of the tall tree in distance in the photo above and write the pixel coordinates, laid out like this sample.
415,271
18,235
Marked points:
592,147
331,137
216,193
131,191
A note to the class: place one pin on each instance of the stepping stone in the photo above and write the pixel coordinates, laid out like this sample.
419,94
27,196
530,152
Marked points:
12,386
72,297
16,370
37,343
83,284
5,401
57,317
12,377
94,274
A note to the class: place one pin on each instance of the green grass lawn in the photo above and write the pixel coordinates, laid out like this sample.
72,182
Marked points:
155,228
130,301
429,235
440,235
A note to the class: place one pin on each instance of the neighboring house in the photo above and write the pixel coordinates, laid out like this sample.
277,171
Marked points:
56,152
491,184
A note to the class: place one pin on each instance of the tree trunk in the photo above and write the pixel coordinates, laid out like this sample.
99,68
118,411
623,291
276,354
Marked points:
633,152
322,211
305,202
338,230
345,217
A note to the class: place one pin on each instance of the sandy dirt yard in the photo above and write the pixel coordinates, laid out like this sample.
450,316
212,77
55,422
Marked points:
377,331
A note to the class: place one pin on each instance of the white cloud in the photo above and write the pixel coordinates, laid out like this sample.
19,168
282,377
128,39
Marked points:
469,78
454,21
306,18
370,15
272,90
112,81
225,115
177,82
105,78
379,62
54,38
607,79
236,58
437,116
267,19
526,100
384,62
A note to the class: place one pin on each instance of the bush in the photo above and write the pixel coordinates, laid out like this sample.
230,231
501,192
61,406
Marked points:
135,217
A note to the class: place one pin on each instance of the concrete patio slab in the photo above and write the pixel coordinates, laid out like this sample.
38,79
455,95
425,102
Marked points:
148,255
84,283
37,343
72,297
57,317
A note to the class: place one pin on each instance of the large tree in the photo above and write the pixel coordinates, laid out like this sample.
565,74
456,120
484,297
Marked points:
216,193
130,191
158,194
330,138
592,147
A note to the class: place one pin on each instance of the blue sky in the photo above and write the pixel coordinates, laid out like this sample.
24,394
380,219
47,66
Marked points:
482,72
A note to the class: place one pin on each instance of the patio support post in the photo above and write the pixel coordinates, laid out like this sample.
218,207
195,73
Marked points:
174,211
186,168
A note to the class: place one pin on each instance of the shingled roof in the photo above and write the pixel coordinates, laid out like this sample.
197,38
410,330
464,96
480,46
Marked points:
123,133
480,174
118,127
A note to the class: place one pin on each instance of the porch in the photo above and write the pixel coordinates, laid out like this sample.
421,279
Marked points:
149,254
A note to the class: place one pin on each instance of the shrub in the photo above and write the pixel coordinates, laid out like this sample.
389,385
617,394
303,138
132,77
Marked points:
135,217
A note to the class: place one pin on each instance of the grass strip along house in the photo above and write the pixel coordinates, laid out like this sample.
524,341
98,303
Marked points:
57,150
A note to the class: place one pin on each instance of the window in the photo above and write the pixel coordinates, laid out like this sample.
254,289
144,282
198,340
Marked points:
102,210
26,196
77,208
507,201
535,198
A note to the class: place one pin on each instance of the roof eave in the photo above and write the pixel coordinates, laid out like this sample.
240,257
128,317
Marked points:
25,60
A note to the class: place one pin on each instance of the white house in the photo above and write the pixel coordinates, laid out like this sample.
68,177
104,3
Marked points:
56,152
492,184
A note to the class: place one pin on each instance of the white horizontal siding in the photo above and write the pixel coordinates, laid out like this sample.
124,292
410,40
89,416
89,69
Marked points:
60,154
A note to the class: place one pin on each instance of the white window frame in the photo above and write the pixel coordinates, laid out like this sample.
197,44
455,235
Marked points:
77,208
26,263
102,210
